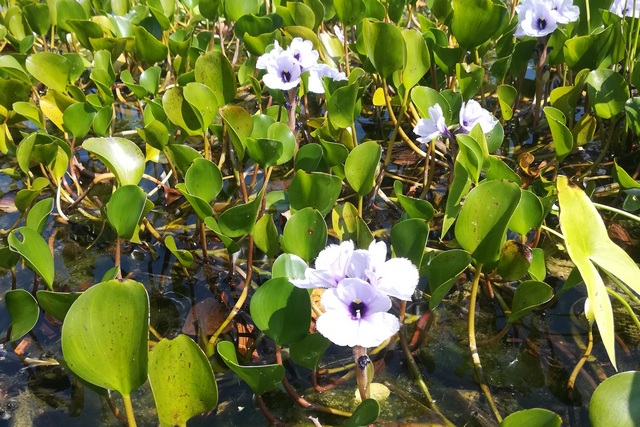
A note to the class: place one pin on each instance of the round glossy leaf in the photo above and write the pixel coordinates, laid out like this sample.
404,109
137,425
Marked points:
384,45
416,60
148,48
25,197
39,214
183,156
281,310
125,208
228,242
608,92
29,111
350,12
239,126
482,223
344,220
235,9
123,158
214,70
528,296
105,335
305,234
260,379
23,311
202,208
562,136
365,414
308,351
537,269
35,251
315,190
309,157
155,133
281,132
506,97
9,258
424,97
184,257
360,167
240,220
265,235
78,118
528,214
475,21
290,266
203,101
150,78
102,121
616,401
203,179
334,154
342,105
415,208
181,380
470,78
409,239
50,68
181,112
536,417
264,151
515,260
56,304
444,271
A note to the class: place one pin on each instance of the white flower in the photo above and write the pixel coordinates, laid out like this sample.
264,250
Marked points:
471,114
339,33
270,57
624,8
565,11
397,277
356,315
319,71
536,18
304,53
283,73
432,126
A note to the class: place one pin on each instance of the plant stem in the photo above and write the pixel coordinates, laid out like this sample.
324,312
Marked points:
128,409
617,211
403,109
581,362
475,357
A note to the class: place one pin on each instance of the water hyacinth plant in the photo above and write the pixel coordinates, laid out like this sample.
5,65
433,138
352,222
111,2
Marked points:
282,205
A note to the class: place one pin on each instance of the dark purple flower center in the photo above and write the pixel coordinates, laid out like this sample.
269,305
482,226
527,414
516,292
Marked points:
286,75
357,309
296,55
542,23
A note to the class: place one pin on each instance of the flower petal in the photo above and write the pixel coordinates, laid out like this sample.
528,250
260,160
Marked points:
338,327
376,328
398,278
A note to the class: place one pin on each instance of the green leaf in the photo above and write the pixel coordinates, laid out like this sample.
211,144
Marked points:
78,118
415,208
365,414
308,351
203,179
265,235
281,310
458,189
529,213
624,179
309,158
592,250
125,208
616,401
290,266
56,304
344,221
25,197
23,311
35,251
264,151
184,257
470,156
515,260
416,59
496,168
181,112
315,190
240,220
409,239
361,165
608,92
424,97
202,208
444,271
280,132
51,69
535,417
506,97
470,78
203,101
384,45
562,136
350,12
105,335
235,9
305,234
342,106
260,379
181,380
155,133
39,214
529,295
29,111
482,223
537,269
228,242
476,21
148,48
239,126
123,158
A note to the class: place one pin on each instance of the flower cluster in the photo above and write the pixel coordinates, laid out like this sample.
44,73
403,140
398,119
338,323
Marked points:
285,66
622,8
539,18
359,283
471,114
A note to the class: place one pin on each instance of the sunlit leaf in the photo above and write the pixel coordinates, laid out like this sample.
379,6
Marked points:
35,251
305,234
361,165
23,311
616,401
125,208
537,417
260,379
123,158
444,271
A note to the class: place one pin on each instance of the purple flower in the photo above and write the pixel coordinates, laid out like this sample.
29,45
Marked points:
304,53
283,72
432,126
356,315
622,8
536,18
317,72
472,113
565,11
269,58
